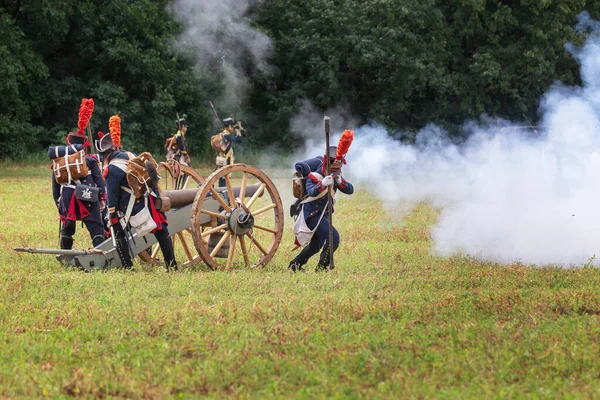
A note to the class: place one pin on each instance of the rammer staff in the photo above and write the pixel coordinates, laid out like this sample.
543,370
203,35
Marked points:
327,128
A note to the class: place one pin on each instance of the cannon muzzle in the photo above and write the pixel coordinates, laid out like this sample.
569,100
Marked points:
180,198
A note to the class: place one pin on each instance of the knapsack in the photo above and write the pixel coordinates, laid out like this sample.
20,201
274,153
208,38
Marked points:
171,144
303,168
137,174
68,163
218,144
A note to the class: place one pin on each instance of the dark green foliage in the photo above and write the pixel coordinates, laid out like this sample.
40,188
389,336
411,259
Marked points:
406,63
118,52
22,72
402,63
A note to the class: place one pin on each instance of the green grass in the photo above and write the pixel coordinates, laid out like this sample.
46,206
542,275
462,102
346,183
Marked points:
392,321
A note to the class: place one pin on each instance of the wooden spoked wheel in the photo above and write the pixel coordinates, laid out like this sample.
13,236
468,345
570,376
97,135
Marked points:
176,177
240,224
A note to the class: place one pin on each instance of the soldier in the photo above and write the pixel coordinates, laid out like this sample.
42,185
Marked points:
314,209
71,208
232,133
121,202
175,145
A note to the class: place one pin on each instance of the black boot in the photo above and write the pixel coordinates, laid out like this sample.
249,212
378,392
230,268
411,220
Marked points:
166,247
321,268
66,242
98,240
122,247
323,265
295,266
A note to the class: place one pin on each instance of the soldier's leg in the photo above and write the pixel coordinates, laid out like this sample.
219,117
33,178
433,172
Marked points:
222,182
122,245
95,227
302,258
325,258
66,235
166,247
313,247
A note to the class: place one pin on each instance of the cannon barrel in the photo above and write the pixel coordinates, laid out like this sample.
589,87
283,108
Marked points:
180,198
57,251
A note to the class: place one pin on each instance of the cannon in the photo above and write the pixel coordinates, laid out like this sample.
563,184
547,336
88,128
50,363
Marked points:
238,224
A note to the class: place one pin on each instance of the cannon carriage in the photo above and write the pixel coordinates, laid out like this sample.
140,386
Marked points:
240,224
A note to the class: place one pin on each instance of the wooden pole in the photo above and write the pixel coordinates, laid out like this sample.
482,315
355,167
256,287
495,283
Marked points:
327,128
91,139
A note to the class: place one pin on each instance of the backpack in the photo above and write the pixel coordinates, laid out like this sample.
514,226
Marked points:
68,163
218,144
137,174
303,168
171,144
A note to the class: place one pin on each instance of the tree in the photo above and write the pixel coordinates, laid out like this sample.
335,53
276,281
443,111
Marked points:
23,73
122,54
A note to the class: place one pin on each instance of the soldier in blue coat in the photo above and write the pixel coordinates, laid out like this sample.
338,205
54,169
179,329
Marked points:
120,196
232,133
72,209
316,215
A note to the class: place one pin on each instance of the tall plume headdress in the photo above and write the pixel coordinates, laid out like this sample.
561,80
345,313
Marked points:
85,114
341,150
114,126
344,144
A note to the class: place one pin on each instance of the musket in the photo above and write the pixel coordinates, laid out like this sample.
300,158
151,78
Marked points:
57,251
89,134
327,129
178,123
216,116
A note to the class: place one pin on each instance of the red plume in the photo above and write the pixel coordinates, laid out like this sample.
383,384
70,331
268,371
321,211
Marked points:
344,144
85,114
114,126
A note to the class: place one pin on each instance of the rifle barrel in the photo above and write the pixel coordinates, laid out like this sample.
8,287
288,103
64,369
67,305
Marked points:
216,116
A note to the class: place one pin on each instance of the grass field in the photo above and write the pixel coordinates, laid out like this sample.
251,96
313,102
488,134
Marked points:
392,321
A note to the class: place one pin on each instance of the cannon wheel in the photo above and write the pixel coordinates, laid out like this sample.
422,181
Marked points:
254,240
176,177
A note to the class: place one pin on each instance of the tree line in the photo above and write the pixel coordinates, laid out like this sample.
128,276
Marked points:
401,63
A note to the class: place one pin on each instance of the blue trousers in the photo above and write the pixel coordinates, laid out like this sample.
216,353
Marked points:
319,240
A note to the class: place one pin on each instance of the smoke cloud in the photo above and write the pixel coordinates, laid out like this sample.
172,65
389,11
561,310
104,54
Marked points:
220,35
507,194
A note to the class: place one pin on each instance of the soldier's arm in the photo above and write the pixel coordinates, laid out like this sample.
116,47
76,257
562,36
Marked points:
55,189
313,185
97,178
113,188
180,143
231,137
236,137
344,186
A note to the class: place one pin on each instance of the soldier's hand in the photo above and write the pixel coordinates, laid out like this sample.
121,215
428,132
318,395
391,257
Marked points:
102,204
327,181
113,219
339,179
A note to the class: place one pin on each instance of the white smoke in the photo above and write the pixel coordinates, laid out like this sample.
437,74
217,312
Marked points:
220,34
508,194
